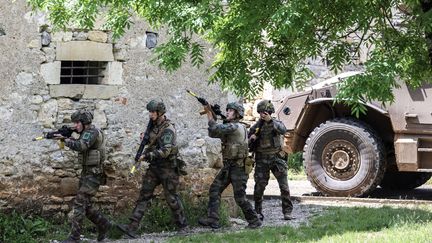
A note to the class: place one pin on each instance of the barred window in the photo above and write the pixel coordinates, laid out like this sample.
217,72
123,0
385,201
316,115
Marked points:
82,72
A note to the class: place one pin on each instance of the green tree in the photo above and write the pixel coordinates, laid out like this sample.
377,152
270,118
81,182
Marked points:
268,40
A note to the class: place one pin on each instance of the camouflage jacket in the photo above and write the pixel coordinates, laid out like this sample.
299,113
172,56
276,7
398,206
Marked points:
90,145
270,136
162,144
234,139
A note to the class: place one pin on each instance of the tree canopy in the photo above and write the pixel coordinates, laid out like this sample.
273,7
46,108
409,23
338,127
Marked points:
269,40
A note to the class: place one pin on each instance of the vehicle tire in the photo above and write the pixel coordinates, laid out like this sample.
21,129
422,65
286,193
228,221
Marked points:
404,180
344,157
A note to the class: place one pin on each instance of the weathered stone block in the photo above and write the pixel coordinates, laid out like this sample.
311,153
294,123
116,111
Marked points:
50,53
48,113
68,186
100,119
36,99
79,36
114,74
84,51
24,78
35,44
120,54
98,36
51,72
62,36
65,104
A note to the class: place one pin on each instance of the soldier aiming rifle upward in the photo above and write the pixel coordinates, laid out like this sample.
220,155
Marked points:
214,109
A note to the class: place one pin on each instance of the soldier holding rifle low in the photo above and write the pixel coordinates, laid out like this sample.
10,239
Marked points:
91,148
161,152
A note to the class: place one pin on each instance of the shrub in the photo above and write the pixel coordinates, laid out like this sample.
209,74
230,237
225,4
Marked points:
295,162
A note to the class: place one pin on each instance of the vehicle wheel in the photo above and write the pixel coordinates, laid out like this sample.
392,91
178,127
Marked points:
404,180
344,157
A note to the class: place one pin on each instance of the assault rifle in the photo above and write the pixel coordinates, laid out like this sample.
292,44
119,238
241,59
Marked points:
61,134
64,132
214,109
253,144
144,142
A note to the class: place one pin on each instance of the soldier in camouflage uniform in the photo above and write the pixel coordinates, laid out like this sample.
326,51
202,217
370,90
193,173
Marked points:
266,134
234,151
161,153
91,148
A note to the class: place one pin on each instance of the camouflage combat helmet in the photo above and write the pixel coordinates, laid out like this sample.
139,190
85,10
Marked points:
155,105
85,117
236,106
265,106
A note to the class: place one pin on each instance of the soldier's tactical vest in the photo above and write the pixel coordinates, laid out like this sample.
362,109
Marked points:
269,140
235,145
156,143
95,155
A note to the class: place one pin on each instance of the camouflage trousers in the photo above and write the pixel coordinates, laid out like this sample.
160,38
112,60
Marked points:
169,179
230,173
264,163
88,186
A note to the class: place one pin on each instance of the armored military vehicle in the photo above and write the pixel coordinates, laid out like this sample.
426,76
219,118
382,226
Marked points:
390,146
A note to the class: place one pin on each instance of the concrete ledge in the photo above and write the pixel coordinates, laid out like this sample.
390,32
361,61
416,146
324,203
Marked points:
84,51
81,91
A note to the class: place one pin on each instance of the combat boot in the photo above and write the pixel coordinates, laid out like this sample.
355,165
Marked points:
258,210
287,216
209,222
182,229
255,224
103,230
71,239
129,229
75,233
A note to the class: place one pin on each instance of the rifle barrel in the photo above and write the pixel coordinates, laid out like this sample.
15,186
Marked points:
191,93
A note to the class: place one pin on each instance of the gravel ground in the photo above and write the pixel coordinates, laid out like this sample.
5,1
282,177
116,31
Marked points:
273,217
273,212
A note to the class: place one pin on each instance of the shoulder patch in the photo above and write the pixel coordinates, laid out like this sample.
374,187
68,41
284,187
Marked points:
167,137
86,136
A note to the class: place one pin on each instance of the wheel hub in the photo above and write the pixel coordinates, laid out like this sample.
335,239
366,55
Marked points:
341,160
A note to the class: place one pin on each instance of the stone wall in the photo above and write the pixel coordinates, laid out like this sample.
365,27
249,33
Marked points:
32,101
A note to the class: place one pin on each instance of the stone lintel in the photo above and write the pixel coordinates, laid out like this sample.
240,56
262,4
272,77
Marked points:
84,51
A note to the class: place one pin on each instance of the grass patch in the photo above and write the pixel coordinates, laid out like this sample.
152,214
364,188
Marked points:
358,224
17,227
296,176
295,167
21,227
295,162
